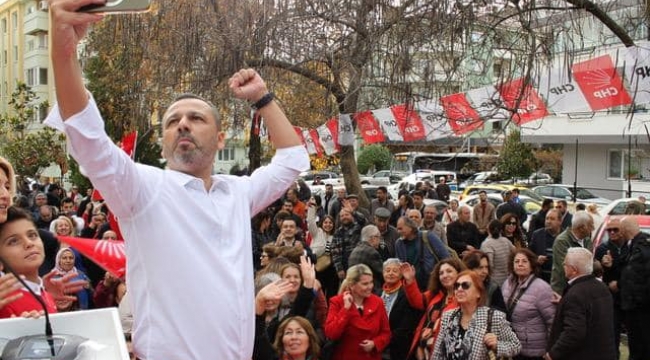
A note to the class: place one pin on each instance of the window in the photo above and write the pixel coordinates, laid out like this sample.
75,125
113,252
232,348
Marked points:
36,76
3,24
42,40
15,53
31,74
30,45
619,164
226,154
14,20
42,76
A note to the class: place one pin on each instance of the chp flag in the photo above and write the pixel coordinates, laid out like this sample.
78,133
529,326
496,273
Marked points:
600,83
108,254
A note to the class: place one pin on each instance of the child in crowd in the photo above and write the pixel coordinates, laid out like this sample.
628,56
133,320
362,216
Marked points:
21,250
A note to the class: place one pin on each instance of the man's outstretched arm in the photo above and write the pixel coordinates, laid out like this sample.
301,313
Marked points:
68,27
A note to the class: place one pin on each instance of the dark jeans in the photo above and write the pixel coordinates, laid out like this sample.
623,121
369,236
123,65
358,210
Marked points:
638,333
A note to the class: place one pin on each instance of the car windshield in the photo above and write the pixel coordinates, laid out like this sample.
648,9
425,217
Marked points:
531,194
583,194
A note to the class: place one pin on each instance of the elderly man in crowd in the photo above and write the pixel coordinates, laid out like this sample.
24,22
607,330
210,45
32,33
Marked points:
370,252
579,235
582,328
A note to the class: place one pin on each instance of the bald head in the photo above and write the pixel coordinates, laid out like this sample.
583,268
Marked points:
629,227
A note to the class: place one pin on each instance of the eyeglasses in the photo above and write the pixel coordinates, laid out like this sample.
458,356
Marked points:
512,223
264,255
465,285
612,230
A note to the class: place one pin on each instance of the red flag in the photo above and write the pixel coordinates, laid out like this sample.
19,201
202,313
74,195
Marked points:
333,125
317,144
409,122
368,127
531,106
462,117
128,143
600,83
109,254
298,131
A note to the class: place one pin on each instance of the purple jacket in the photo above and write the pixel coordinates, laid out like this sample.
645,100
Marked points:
533,314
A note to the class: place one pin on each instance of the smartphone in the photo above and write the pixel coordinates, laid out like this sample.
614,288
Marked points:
118,6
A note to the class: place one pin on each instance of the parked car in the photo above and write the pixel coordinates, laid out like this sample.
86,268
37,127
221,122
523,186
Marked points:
383,177
327,177
564,192
535,179
432,176
498,189
478,178
617,207
602,236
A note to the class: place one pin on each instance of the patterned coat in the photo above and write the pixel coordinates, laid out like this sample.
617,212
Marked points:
345,239
507,343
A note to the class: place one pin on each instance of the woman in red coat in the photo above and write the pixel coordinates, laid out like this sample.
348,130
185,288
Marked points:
357,318
435,301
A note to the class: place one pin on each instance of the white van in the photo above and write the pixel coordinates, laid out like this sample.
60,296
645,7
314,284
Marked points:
432,176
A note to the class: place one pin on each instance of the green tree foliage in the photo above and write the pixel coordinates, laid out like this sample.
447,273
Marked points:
516,158
373,156
28,146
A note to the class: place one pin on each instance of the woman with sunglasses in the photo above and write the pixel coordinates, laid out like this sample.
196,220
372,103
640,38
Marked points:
478,261
472,330
438,299
529,306
512,230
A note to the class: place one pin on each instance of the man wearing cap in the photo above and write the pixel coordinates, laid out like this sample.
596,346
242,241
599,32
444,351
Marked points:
382,201
389,234
353,200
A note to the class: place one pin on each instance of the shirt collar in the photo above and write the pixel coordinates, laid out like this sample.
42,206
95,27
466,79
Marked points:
36,287
186,180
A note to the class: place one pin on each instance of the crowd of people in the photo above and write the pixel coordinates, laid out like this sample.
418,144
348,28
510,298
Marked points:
328,278
452,289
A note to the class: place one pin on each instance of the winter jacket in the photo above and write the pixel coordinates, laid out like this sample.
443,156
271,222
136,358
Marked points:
532,316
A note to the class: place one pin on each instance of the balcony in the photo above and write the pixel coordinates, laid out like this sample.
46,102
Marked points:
36,22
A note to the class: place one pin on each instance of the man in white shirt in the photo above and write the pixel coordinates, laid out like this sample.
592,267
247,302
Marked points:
187,232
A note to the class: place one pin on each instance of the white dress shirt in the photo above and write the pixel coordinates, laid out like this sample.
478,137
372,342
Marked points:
189,269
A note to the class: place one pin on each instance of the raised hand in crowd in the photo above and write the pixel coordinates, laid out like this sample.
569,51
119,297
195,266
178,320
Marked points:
60,287
271,292
408,272
308,272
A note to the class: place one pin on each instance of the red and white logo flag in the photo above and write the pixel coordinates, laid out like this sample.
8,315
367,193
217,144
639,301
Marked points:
368,127
460,114
309,142
313,134
561,93
523,100
637,73
388,124
346,130
488,103
298,131
108,254
600,83
326,139
409,122
434,120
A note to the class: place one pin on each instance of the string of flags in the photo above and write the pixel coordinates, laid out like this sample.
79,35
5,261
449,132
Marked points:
616,78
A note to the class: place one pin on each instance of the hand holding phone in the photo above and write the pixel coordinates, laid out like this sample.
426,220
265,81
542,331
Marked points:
118,6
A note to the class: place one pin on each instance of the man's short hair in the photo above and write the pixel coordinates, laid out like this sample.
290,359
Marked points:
582,259
580,218
418,193
368,231
482,192
382,188
214,110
